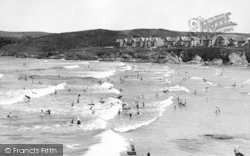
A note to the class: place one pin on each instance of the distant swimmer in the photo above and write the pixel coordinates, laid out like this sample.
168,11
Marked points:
55,91
137,106
78,121
217,110
85,90
234,85
205,80
195,92
73,103
119,111
207,88
130,114
138,113
102,101
28,97
237,152
42,113
93,112
9,115
156,95
119,97
132,145
143,104
165,91
72,121
48,111
69,90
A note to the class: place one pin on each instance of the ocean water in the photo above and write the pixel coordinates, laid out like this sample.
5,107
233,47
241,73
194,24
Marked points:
162,127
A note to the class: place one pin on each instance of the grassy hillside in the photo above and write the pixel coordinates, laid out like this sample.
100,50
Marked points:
21,35
65,42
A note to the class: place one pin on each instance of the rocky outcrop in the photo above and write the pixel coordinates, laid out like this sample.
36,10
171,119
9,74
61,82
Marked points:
237,58
196,60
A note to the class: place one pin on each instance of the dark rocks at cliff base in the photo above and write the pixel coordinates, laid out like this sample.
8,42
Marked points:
237,59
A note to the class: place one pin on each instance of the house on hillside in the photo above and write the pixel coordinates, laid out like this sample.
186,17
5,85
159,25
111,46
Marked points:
221,41
206,41
170,41
194,41
240,41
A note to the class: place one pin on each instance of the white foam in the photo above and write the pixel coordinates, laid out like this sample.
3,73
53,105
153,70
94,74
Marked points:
73,146
168,73
246,81
11,97
71,67
1,75
161,107
45,61
178,88
133,127
98,74
111,144
196,78
120,64
107,112
95,125
124,68
105,88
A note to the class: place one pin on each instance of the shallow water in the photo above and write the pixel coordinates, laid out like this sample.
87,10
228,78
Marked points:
161,128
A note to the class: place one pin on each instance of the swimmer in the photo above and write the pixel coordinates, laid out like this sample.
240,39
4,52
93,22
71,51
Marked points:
55,91
69,90
132,145
42,113
119,111
48,111
195,92
130,114
78,121
156,95
137,106
237,152
73,103
217,110
143,104
207,88
28,97
138,113
72,121
9,115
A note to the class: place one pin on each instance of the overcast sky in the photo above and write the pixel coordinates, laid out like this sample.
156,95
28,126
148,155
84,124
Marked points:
78,15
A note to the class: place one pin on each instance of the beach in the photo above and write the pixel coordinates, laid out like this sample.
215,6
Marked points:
90,90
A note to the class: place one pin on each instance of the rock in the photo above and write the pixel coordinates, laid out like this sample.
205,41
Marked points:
196,60
217,62
237,59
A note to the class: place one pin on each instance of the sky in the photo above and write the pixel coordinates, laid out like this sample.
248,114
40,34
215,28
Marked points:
78,15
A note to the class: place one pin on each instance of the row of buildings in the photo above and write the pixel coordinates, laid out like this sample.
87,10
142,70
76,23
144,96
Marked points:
184,41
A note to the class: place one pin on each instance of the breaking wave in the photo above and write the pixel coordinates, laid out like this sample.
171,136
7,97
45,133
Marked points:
11,97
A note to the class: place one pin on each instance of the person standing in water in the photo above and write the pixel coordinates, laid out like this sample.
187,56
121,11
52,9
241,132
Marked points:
42,113
132,145
237,152
78,121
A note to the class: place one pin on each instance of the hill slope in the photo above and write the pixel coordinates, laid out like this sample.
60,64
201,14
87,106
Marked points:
61,43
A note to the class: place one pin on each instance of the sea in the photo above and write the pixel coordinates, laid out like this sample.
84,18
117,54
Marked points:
95,91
